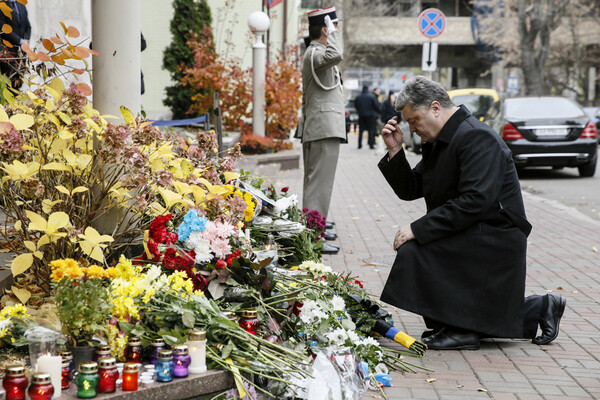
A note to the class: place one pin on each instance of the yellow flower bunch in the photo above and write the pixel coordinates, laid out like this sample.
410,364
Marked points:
117,342
246,196
18,311
71,269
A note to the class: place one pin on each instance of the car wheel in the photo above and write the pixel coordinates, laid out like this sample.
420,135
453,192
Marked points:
587,170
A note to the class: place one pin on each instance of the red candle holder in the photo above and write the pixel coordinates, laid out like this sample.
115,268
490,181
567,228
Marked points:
130,377
15,382
249,321
107,369
65,374
133,351
41,388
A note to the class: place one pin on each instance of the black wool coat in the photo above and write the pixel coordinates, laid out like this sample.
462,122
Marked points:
466,267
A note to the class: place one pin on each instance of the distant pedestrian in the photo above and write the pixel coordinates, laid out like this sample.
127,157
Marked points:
368,110
388,109
323,112
461,266
18,33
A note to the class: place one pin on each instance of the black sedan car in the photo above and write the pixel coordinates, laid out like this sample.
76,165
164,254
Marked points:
546,131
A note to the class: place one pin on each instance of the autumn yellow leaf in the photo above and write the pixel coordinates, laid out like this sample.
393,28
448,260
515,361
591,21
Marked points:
22,294
128,116
56,40
21,263
21,121
84,88
48,45
6,42
3,115
58,58
72,32
24,2
93,243
82,52
6,10
42,56
6,28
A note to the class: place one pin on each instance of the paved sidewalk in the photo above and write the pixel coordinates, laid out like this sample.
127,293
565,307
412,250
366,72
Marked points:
561,259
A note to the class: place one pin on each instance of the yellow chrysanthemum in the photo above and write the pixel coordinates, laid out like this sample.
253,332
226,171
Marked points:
148,296
249,211
95,271
19,311
3,332
125,266
74,272
57,274
112,273
199,293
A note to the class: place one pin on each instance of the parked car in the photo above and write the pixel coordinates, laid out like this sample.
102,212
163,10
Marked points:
594,114
546,131
351,115
477,100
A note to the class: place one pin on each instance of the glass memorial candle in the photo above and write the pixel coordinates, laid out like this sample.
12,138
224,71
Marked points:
107,369
41,388
164,366
133,351
197,351
65,375
181,361
249,322
87,379
67,355
102,350
130,377
15,382
157,345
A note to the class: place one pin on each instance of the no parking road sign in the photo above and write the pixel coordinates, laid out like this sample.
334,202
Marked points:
432,23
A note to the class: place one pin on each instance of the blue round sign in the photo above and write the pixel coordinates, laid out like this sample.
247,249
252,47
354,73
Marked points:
432,22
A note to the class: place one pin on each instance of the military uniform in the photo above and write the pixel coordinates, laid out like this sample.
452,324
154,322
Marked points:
324,120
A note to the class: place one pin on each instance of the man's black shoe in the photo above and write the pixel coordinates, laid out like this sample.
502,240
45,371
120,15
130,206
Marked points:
330,236
550,322
330,249
448,339
329,224
430,332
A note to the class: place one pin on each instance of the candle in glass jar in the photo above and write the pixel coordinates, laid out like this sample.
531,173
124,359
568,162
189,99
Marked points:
249,322
164,366
15,382
67,355
157,345
65,375
130,377
41,387
107,370
102,350
52,365
133,351
197,351
87,379
181,361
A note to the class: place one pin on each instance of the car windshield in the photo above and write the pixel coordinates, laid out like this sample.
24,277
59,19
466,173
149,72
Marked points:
542,107
478,104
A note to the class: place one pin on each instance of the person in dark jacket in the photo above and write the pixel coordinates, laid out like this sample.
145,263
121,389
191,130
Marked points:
18,34
368,110
462,265
388,108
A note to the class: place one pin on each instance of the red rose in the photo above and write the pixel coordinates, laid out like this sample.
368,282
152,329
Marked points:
220,264
199,282
169,260
285,189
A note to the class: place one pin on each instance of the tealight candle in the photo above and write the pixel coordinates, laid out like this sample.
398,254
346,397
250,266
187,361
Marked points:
197,351
181,361
52,365
133,351
41,388
102,350
157,345
164,366
65,376
15,382
249,322
67,355
130,377
107,369
87,379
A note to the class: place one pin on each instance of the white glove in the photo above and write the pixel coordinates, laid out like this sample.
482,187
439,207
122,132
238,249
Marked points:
329,24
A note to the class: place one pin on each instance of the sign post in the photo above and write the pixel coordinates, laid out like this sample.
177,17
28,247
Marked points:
432,23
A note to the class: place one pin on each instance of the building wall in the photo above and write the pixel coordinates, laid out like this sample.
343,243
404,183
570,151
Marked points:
232,35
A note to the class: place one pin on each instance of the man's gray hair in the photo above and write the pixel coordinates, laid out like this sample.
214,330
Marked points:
420,92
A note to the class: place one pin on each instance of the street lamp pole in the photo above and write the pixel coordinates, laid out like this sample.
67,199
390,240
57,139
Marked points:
259,23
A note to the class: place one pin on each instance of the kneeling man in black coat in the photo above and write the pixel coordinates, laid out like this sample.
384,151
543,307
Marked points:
462,265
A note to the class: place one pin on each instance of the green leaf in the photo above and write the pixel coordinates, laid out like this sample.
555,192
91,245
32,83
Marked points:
170,340
348,324
188,319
